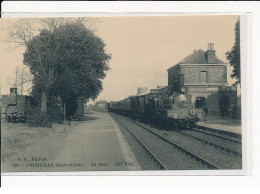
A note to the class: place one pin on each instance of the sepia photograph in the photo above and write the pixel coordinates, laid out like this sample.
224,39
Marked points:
121,93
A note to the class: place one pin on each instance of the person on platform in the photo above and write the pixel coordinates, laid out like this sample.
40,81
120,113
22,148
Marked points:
205,109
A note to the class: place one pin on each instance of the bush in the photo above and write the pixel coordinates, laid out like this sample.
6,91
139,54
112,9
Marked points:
36,118
56,113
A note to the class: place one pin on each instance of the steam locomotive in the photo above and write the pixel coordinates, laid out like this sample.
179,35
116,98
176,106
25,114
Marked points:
175,108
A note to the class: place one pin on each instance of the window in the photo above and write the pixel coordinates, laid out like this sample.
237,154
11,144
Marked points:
200,102
203,77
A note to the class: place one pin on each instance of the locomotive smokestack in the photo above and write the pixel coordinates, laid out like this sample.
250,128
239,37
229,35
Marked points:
13,91
13,96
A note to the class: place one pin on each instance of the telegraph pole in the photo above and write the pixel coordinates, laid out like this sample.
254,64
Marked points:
22,83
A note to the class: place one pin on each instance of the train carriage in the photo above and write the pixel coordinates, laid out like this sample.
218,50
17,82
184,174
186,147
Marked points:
176,108
126,105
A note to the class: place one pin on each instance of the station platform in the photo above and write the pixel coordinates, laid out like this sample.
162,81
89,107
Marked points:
231,126
95,144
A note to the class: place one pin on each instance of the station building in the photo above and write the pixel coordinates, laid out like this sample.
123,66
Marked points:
205,78
101,105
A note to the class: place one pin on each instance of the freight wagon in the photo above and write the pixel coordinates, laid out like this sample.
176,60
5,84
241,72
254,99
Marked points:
14,106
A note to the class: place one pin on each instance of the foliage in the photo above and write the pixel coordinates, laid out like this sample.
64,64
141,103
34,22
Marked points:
81,65
234,54
67,61
56,110
36,118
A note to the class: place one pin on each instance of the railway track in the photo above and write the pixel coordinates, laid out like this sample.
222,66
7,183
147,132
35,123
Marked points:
222,142
165,162
157,160
225,137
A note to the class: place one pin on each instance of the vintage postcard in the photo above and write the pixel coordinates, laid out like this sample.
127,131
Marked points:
158,93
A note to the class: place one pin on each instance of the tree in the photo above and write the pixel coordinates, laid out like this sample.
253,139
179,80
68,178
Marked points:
22,80
40,38
68,61
233,56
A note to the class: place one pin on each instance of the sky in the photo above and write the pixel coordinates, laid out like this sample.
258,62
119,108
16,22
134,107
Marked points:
142,48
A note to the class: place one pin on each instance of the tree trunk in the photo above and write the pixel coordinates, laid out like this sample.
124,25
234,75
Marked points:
44,102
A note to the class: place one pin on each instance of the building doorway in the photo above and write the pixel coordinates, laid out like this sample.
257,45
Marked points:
224,106
200,102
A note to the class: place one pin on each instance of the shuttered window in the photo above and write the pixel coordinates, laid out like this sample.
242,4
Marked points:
203,77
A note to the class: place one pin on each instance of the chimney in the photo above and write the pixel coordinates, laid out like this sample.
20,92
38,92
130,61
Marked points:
211,53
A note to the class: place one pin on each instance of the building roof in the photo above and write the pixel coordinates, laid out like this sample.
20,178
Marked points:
199,57
101,102
144,93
